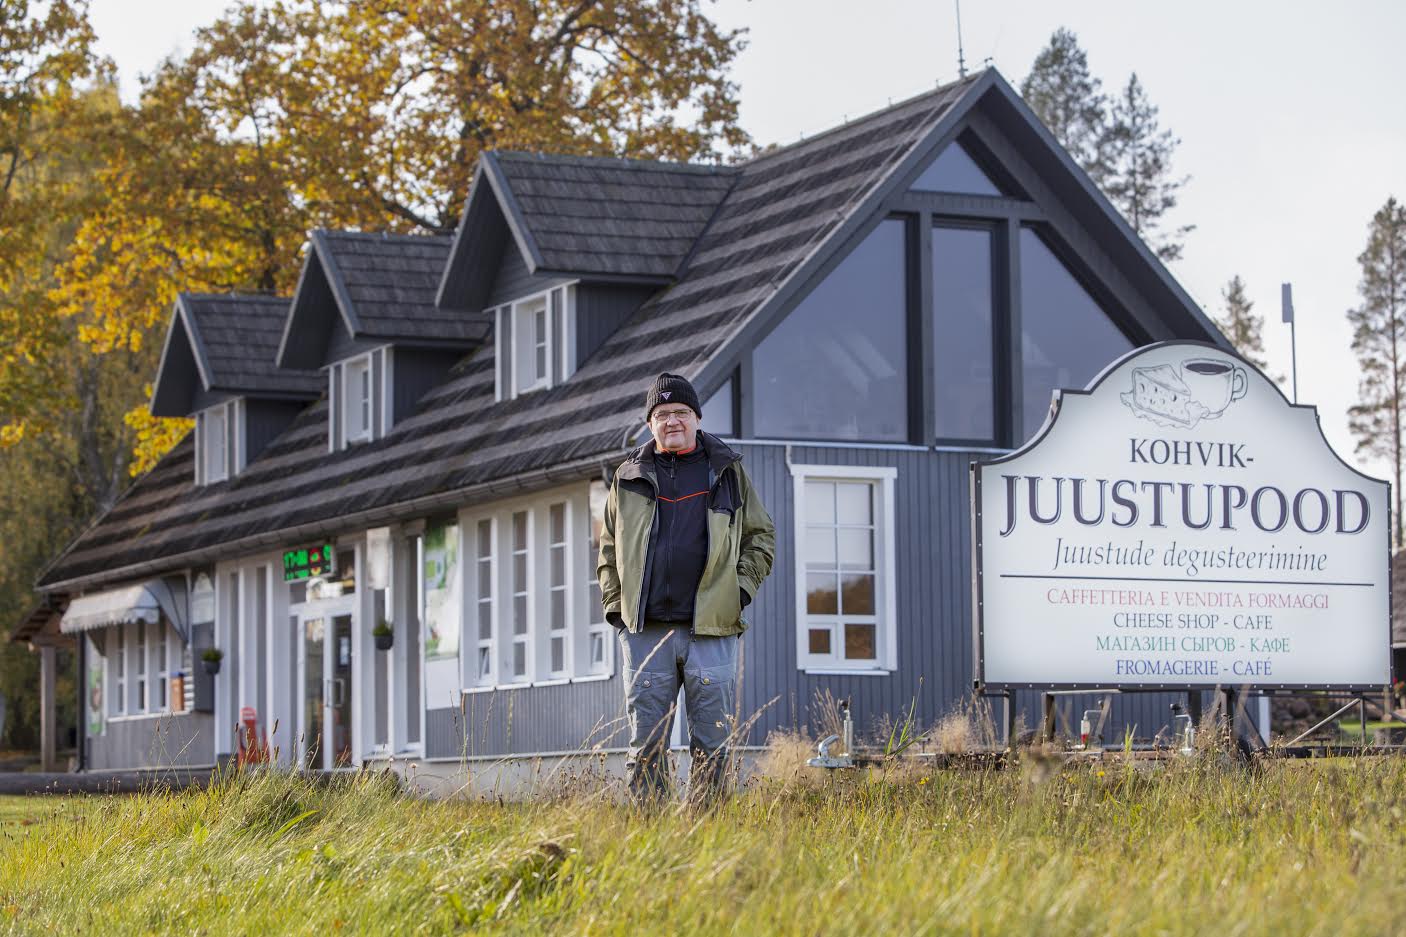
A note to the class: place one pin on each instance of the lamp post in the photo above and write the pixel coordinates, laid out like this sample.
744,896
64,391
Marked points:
1286,302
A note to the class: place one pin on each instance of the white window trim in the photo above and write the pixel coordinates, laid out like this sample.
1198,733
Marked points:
594,622
560,351
341,400
353,400
548,634
118,684
233,419
885,565
471,642
537,640
511,637
387,391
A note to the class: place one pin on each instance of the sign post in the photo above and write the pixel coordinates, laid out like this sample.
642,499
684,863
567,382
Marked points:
1180,525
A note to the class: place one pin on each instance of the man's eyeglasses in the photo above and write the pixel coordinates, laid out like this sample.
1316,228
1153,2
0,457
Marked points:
665,416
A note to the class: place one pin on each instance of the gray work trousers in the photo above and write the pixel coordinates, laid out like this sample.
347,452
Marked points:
656,661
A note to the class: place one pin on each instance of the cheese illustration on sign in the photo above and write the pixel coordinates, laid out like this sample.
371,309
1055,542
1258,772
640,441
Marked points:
1180,524
1200,389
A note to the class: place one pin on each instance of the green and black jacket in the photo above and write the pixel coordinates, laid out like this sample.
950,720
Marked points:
741,540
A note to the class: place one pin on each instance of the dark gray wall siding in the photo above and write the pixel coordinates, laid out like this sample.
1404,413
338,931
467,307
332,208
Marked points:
414,372
156,742
513,281
566,717
201,399
600,309
264,420
342,346
935,659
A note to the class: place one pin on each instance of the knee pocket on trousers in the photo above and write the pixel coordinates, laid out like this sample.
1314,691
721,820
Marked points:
649,699
712,701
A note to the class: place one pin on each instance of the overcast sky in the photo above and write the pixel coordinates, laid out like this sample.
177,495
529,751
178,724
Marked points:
1291,118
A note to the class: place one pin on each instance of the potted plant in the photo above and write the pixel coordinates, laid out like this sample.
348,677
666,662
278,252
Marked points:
210,658
383,635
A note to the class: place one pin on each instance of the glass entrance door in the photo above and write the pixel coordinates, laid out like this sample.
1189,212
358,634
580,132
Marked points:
339,703
325,736
314,695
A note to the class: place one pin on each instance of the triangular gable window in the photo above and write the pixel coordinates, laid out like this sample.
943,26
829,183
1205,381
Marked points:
1066,337
837,366
955,171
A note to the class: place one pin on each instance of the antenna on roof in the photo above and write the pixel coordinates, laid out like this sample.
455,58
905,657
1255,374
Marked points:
961,55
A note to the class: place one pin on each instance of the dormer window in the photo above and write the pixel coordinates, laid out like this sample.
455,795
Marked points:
536,341
359,399
219,432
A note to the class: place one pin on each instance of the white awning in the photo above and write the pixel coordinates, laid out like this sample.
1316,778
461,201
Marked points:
144,602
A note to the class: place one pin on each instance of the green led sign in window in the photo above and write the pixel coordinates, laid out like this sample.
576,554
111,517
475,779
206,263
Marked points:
307,562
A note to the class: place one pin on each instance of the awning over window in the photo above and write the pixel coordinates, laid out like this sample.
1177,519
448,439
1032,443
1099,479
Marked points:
145,602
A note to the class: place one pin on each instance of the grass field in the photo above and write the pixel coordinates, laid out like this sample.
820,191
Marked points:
1203,846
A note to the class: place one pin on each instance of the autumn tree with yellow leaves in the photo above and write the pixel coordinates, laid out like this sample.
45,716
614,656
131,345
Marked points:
370,115
285,116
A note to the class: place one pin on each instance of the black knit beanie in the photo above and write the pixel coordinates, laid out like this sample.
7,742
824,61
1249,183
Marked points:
671,388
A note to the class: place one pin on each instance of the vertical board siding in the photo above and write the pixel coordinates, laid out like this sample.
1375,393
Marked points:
514,281
264,420
601,309
563,718
415,372
935,640
341,345
173,741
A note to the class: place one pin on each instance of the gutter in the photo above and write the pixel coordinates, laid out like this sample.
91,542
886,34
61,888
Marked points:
459,497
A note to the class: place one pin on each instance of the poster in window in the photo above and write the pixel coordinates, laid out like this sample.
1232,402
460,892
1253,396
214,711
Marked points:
95,694
442,590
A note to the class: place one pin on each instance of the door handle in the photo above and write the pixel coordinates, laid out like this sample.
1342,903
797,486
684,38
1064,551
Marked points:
339,691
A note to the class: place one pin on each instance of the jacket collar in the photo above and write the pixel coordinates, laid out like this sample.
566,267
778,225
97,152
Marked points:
640,463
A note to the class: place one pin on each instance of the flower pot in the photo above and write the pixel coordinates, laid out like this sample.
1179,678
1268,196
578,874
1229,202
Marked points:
212,667
383,641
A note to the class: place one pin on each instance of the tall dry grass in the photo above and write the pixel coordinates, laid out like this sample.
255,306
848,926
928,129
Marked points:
1199,846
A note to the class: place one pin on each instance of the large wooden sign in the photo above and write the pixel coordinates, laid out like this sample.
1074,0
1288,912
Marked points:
1180,524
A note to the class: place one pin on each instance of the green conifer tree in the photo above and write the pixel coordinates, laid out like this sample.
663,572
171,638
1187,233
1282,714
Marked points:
1239,323
1379,339
1069,100
1140,180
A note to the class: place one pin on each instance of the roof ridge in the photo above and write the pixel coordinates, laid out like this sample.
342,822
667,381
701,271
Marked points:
236,296
620,162
940,90
383,235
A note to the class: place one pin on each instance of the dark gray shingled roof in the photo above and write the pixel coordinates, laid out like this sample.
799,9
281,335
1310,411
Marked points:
587,215
226,342
389,283
237,336
460,445
380,287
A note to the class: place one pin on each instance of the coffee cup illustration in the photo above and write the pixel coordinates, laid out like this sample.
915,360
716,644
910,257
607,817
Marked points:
1214,382
1200,389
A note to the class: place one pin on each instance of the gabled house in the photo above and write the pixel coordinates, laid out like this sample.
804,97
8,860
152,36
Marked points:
863,313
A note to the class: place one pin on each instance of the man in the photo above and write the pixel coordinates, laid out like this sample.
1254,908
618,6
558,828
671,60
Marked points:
684,547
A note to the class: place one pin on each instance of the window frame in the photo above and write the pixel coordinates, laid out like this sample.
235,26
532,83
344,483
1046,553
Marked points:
371,402
516,344
883,480
1002,398
137,667
547,586
911,320
231,416
472,671
357,402
580,623
117,669
594,624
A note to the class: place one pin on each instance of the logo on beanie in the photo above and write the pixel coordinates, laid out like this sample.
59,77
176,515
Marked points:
666,394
